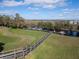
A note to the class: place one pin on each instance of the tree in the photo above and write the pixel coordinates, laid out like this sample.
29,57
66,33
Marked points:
58,26
47,25
1,17
14,22
78,27
17,16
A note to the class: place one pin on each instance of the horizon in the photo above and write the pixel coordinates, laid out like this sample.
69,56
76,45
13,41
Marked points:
41,9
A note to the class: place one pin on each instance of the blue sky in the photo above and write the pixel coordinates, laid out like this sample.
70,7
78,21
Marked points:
41,9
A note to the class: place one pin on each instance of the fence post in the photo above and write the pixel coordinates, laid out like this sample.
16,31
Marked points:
15,57
23,54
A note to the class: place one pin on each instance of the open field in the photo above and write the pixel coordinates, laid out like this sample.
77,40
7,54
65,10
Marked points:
57,47
17,38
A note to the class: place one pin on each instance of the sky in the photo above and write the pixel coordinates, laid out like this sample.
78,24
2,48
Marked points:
41,9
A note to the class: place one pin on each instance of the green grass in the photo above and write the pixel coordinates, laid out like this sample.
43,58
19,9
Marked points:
17,38
57,47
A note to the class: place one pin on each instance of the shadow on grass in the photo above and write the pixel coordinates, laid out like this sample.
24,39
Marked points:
1,46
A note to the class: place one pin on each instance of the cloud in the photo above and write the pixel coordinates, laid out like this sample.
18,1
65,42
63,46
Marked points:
47,3
11,3
73,12
41,3
49,6
69,13
7,12
33,8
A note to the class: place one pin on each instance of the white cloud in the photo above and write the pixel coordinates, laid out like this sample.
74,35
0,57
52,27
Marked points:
8,12
49,6
11,3
42,3
69,13
31,8
47,3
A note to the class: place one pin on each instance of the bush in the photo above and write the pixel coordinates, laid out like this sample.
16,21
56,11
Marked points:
1,46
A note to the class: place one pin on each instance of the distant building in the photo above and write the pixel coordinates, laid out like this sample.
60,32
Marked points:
71,22
74,22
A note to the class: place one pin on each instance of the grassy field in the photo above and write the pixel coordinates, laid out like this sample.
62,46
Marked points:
57,47
16,38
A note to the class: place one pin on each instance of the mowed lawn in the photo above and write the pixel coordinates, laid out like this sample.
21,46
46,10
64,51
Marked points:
57,47
17,38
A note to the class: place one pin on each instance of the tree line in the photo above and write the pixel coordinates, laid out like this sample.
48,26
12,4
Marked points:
14,22
18,22
59,25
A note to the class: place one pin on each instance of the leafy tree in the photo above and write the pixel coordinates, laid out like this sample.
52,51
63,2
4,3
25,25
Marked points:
47,25
78,27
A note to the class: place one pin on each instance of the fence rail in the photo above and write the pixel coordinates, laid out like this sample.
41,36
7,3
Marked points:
23,51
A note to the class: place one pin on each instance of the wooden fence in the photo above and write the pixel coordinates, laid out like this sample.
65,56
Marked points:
21,53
